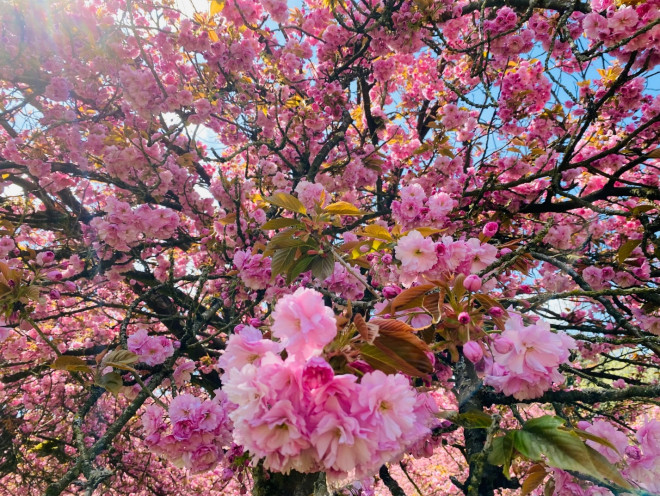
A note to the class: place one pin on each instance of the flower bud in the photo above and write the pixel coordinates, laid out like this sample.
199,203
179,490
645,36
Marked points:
503,345
54,275
390,291
496,312
45,257
633,452
464,318
473,351
490,229
472,283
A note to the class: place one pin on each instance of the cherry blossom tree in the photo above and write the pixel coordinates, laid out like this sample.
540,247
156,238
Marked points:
329,247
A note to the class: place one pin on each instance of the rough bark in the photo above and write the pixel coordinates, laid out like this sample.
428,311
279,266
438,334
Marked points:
292,484
483,477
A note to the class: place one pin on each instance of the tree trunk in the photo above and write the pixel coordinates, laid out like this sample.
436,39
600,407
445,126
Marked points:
293,484
483,477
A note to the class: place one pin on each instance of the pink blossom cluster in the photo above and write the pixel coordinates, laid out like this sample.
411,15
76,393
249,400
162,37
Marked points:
311,194
416,208
123,226
254,269
524,90
525,359
421,256
152,350
345,284
196,434
644,462
297,414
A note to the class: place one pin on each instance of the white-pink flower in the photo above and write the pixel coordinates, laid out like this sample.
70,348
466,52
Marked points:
417,253
304,323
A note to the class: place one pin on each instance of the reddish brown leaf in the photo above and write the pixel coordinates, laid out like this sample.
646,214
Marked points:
411,297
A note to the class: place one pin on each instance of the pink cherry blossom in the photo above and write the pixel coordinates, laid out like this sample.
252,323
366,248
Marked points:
303,322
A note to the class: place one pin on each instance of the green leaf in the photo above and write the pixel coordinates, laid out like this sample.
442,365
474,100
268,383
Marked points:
626,249
543,438
287,202
343,208
474,419
640,209
283,239
70,363
323,266
282,261
597,439
111,381
501,452
299,267
280,223
120,359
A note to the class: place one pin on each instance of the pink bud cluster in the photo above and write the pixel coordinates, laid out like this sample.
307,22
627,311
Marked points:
196,434
297,414
526,358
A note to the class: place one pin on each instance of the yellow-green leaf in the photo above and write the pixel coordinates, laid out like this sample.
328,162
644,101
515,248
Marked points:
228,219
474,419
111,381
280,223
120,359
427,231
626,249
343,208
71,364
287,202
376,231
216,7
640,209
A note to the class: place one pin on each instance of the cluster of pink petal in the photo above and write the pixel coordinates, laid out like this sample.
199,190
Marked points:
152,350
124,226
345,284
303,323
196,434
525,359
420,255
296,414
416,209
254,269
644,462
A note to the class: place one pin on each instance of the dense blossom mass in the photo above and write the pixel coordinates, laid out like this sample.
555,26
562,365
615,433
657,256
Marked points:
329,247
